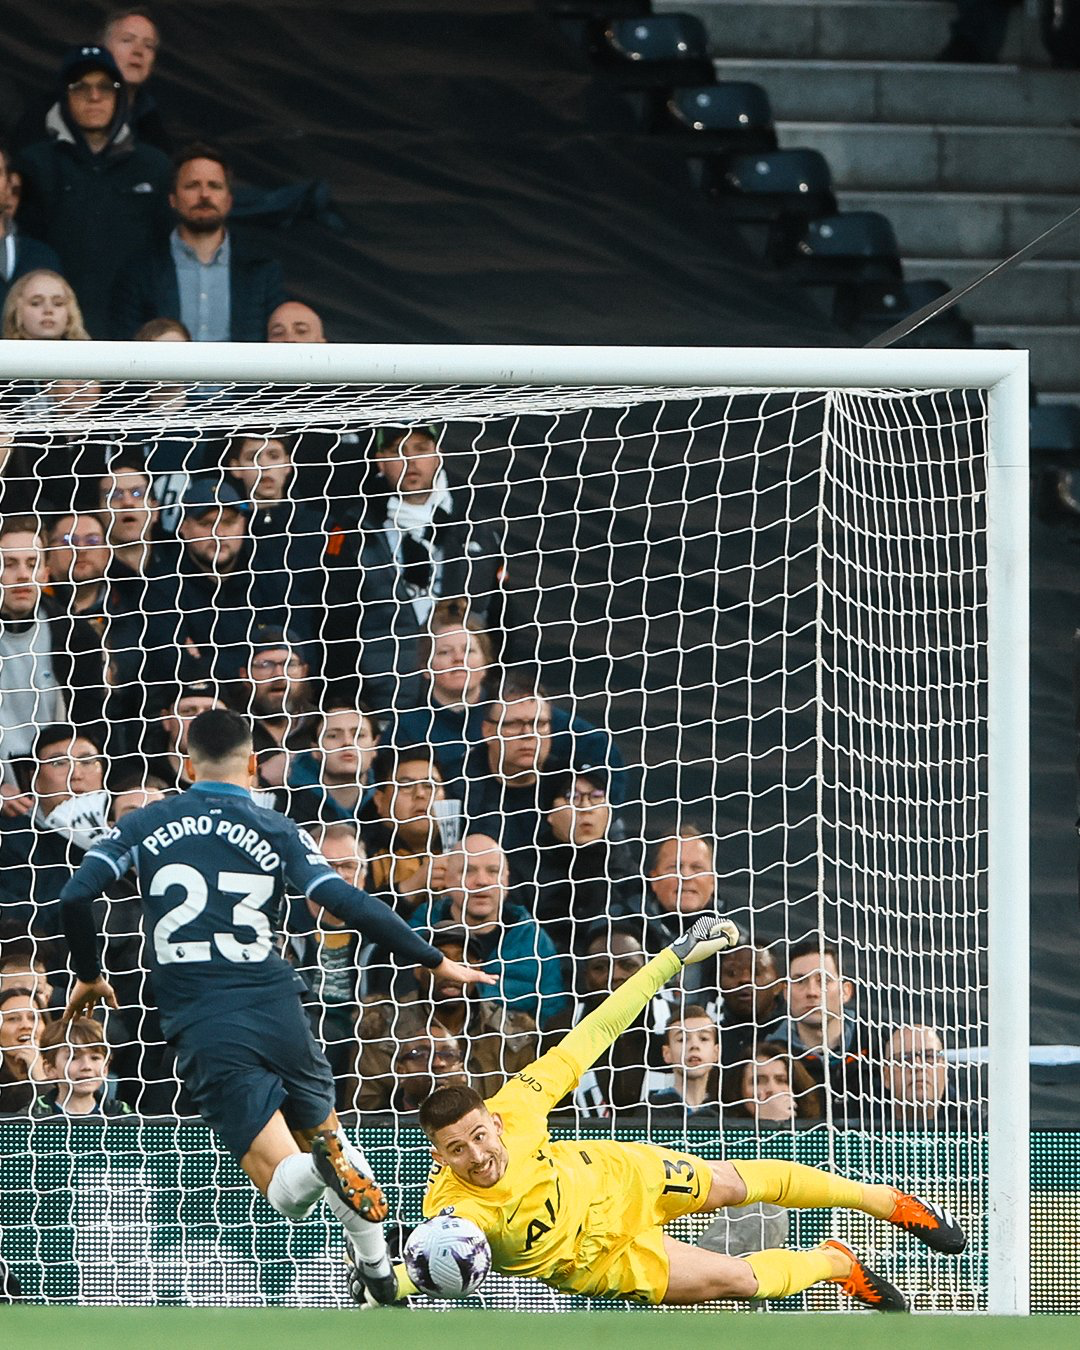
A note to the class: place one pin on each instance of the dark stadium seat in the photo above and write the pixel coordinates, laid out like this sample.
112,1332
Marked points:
774,184
867,310
1055,429
726,118
654,51
853,246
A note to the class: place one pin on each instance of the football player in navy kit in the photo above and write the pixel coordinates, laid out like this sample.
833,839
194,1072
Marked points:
212,871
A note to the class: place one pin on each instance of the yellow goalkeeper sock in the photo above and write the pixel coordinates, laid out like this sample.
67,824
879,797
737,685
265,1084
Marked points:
780,1273
405,1286
797,1187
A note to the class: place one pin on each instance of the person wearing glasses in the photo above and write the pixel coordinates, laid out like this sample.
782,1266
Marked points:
915,1081
90,190
78,560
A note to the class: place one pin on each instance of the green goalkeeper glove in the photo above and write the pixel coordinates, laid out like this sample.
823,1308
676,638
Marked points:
708,936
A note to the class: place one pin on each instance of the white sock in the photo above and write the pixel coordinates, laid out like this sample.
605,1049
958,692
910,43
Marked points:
368,1240
296,1187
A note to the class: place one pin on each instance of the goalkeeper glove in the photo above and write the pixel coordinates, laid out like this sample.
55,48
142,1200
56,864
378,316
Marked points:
708,937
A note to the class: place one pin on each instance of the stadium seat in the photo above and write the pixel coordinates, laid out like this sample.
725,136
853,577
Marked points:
1054,429
654,51
851,247
868,310
726,118
775,184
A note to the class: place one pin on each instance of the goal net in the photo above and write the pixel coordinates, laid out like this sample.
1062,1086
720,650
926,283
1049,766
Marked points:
552,664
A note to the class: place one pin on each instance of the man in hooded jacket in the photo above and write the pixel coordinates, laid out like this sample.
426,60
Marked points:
90,190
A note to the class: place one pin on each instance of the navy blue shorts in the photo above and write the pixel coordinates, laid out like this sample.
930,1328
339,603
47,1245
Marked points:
261,1060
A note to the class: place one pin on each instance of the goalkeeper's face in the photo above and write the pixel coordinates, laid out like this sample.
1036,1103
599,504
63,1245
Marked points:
473,1149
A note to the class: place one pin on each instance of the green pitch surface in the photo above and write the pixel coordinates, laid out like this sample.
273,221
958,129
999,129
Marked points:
287,1329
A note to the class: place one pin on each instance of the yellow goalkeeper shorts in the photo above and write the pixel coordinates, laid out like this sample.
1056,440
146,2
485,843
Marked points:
638,1188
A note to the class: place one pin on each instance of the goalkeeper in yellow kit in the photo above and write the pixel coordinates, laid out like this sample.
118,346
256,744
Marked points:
587,1216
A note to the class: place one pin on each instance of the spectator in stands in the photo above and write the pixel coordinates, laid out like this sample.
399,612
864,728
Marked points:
22,965
496,1042
42,655
20,1063
133,788
129,506
133,41
186,702
206,276
327,954
288,534
338,768
692,1049
76,1060
41,306
770,1085
510,777
221,599
414,545
820,1032
616,1081
682,885
408,863
584,869
91,191
915,1077
78,561
277,688
294,322
502,937
162,330
753,1000
19,254
456,658
423,1063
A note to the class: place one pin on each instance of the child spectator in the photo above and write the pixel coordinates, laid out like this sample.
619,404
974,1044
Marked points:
692,1049
76,1059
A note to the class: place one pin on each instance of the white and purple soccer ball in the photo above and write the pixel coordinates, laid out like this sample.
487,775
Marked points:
447,1257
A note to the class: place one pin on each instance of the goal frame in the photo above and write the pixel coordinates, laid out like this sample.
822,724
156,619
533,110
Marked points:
1002,374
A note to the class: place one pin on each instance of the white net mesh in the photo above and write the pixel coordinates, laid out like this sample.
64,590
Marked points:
657,649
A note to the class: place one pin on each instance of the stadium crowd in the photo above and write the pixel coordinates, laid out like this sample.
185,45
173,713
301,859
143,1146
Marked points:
350,595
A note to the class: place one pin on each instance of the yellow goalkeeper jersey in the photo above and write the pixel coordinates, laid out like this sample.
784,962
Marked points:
563,1211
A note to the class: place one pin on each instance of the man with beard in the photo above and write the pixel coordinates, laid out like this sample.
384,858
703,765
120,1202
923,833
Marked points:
205,276
277,690
493,1040
91,191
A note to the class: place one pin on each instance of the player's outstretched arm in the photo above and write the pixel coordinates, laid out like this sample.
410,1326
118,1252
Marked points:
309,872
595,1033
102,864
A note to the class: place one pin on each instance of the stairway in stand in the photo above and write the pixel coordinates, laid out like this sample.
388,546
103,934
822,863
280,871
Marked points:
969,162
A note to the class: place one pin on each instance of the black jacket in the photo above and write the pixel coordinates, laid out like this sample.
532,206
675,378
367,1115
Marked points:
147,289
96,210
30,254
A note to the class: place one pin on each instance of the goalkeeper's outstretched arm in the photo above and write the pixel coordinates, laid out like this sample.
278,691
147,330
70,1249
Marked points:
595,1033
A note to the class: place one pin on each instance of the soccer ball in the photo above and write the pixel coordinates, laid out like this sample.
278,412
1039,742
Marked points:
447,1257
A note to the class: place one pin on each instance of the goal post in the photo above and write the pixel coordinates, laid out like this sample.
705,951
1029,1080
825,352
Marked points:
852,408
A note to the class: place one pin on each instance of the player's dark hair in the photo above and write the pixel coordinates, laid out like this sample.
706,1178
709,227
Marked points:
218,734
446,1106
814,946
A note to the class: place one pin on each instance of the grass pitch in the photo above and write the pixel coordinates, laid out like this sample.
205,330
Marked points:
394,1329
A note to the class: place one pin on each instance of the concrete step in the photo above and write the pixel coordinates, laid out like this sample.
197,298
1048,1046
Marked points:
970,225
1054,348
911,91
971,159
855,30
1034,293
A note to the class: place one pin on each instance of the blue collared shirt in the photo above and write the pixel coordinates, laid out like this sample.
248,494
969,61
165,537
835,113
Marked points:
205,306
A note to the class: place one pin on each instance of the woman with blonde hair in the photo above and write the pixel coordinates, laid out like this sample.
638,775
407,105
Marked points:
41,305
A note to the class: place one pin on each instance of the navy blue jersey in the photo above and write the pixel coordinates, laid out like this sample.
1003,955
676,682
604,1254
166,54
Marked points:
213,869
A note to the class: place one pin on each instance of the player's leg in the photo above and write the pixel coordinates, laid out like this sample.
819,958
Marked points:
284,1173
795,1186
698,1276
